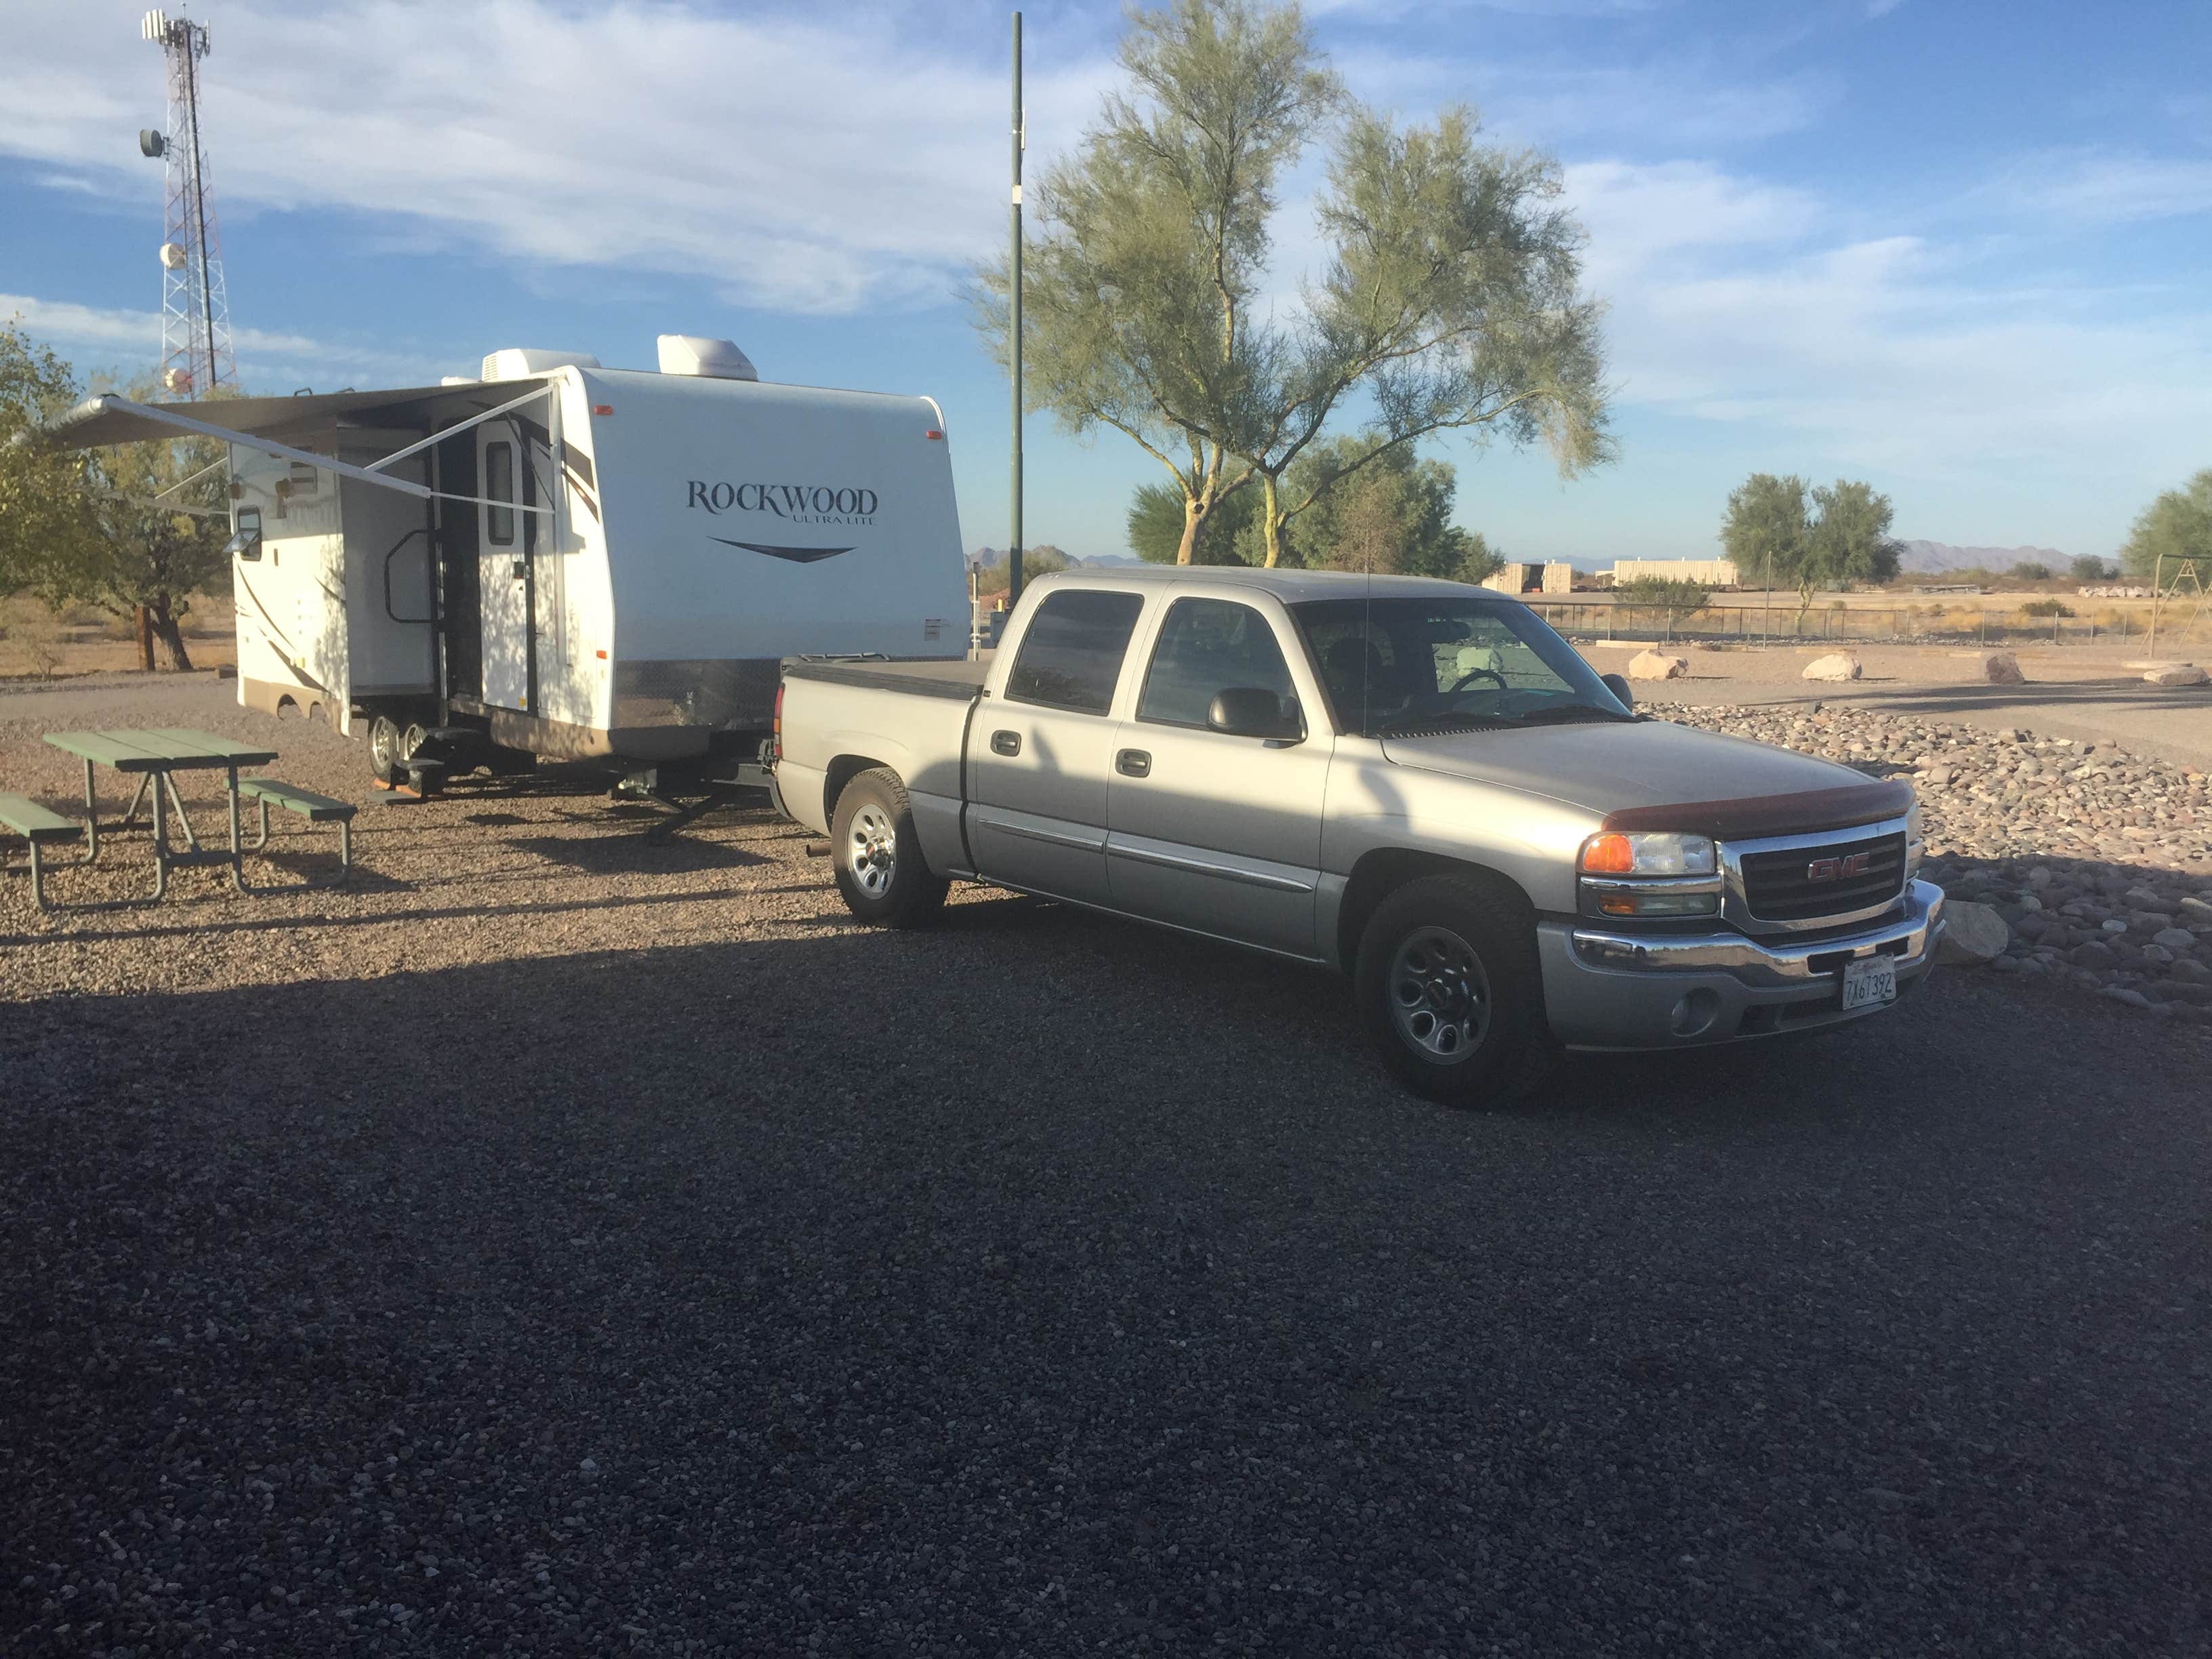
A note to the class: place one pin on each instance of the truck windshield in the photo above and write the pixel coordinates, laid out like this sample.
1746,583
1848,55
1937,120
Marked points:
1395,665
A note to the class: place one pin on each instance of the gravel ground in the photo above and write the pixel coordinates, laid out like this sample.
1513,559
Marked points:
2100,860
561,1244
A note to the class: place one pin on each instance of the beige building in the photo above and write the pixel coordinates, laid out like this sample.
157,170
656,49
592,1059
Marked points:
1707,573
1558,577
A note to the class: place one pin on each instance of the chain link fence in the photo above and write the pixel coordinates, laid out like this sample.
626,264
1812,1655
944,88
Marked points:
1900,624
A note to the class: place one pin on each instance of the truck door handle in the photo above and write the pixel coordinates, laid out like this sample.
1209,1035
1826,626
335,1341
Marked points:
520,571
1005,742
1133,763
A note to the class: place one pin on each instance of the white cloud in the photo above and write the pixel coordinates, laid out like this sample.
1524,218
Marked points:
2103,188
803,165
1741,304
265,357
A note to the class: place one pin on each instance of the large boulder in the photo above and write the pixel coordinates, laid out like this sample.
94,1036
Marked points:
2001,668
2179,673
1976,935
1836,666
1657,666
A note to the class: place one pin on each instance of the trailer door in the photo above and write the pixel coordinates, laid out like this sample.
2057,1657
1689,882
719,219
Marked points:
503,585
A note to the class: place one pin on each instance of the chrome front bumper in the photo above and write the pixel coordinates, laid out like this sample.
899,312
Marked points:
1609,989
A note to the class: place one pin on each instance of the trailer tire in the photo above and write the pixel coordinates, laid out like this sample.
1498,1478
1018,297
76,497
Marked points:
876,854
384,749
1448,983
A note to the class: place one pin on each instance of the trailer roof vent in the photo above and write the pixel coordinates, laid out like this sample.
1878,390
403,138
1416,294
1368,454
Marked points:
519,363
695,354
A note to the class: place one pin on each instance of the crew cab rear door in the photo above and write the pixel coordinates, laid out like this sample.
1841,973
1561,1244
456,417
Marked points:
1041,752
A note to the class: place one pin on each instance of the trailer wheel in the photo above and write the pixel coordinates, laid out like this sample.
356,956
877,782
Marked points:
873,847
385,750
1448,983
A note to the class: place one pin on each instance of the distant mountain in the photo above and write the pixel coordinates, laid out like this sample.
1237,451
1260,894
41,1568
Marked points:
1930,558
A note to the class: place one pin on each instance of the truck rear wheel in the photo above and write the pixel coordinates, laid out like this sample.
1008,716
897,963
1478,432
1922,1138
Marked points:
877,854
1448,983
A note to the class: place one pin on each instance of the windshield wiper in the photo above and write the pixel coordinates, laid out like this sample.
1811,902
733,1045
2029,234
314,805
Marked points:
1566,711
1448,720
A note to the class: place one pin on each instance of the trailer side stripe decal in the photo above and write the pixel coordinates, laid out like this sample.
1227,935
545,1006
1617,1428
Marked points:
796,554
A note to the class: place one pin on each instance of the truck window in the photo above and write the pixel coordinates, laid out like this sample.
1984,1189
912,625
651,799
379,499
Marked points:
499,486
1071,652
1206,647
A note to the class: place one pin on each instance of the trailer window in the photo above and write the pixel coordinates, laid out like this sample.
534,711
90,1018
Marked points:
499,486
1072,654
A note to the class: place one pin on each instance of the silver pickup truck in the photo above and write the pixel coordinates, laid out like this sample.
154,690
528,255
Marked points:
1415,782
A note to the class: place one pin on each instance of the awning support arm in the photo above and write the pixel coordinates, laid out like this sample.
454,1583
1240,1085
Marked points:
444,432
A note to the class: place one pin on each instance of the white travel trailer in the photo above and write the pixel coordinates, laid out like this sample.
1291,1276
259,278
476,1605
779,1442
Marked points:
563,560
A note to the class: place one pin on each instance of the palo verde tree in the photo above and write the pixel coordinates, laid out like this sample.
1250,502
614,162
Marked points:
2177,526
1447,298
1451,298
1376,507
1842,537
1158,518
1151,242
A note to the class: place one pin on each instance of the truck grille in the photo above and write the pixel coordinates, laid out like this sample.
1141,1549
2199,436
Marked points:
1804,883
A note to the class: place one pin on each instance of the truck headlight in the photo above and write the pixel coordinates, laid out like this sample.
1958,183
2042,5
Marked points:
1914,841
1650,874
1649,854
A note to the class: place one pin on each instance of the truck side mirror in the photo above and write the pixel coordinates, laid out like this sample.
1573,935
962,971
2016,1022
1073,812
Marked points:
245,542
1619,688
1252,711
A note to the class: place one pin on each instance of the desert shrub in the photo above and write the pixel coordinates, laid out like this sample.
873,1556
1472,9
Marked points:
2045,609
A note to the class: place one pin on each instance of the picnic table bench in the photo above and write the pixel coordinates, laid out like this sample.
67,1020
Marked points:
36,824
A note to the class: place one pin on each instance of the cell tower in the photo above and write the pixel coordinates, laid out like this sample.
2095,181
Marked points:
196,356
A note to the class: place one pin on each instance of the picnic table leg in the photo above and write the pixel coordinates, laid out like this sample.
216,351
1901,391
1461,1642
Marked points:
160,847
38,879
91,818
184,819
137,796
237,858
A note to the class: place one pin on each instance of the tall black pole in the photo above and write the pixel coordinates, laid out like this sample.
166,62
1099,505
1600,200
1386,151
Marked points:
199,202
1014,332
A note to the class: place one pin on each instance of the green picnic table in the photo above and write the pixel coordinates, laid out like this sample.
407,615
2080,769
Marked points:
155,756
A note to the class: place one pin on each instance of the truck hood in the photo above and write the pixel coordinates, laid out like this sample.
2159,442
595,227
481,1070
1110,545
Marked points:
1656,776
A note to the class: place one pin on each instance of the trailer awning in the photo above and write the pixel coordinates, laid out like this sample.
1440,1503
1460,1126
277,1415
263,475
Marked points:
273,425
110,419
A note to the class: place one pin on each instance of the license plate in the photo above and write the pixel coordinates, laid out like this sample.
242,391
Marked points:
1869,981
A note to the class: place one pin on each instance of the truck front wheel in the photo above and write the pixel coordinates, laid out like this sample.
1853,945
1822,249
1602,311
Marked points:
877,856
1448,983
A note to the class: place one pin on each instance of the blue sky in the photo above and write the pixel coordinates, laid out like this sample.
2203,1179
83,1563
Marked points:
1958,249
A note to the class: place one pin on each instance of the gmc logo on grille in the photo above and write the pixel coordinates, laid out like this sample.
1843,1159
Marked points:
1836,869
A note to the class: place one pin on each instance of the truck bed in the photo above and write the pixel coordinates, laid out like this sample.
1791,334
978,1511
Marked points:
954,677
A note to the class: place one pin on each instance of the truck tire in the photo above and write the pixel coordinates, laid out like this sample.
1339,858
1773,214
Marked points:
1448,983
385,751
877,854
